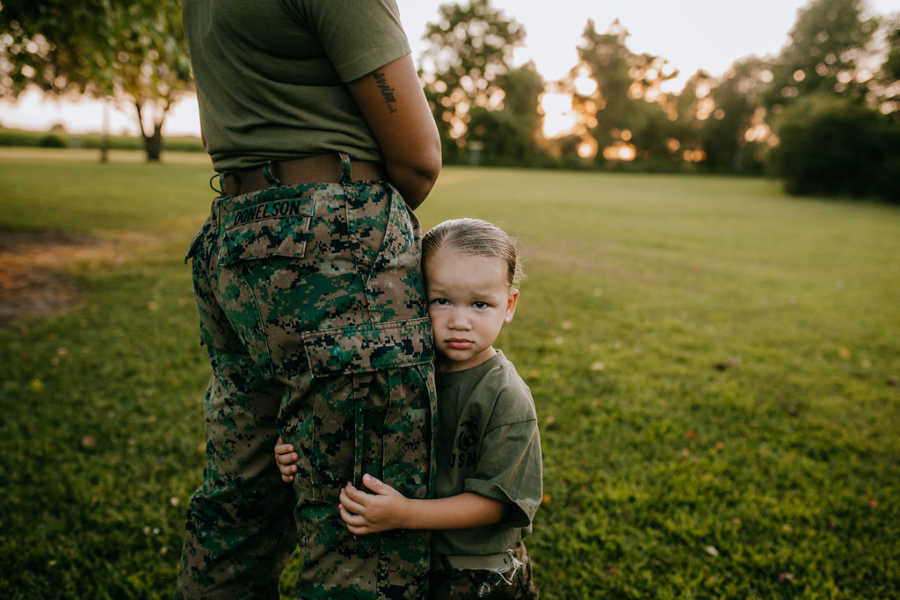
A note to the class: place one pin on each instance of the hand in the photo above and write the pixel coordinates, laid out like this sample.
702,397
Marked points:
381,510
286,460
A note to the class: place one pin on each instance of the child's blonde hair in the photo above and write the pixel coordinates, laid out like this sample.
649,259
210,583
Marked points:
475,238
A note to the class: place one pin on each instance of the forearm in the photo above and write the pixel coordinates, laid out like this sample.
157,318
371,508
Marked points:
394,106
455,512
412,183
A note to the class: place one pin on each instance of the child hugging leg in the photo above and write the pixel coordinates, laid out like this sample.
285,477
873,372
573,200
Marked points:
488,484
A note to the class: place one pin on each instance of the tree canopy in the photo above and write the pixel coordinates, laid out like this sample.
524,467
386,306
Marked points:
470,46
827,43
105,48
618,98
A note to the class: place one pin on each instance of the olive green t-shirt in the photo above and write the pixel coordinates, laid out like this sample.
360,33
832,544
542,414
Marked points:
271,75
487,443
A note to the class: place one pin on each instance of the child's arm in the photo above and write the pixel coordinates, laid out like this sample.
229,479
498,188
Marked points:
386,508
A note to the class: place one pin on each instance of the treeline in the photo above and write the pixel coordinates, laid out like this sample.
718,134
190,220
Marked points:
57,137
824,114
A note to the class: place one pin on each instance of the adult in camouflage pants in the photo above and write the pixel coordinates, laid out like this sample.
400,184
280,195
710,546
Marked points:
313,312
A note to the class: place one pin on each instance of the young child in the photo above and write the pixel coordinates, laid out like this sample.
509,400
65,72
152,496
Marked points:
488,482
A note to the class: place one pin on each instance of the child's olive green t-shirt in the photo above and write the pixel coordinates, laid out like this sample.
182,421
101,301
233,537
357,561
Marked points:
487,443
271,75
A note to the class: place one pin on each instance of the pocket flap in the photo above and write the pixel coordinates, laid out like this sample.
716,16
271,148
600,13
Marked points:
273,228
369,347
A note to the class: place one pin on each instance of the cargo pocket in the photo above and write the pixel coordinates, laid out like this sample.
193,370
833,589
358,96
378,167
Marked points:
359,371
259,254
369,347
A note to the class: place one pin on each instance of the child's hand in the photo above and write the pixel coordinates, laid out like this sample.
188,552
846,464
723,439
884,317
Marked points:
286,459
370,513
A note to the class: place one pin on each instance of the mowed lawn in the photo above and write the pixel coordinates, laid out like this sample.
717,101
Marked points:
714,365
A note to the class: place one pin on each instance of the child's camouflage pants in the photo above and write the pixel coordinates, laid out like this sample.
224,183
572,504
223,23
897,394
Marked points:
312,308
517,583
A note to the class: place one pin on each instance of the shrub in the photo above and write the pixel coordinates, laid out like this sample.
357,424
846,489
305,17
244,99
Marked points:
834,147
18,137
52,140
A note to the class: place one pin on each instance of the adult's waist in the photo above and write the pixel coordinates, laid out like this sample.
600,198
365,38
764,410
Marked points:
324,168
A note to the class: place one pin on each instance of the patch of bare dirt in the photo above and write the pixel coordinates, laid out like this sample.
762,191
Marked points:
32,278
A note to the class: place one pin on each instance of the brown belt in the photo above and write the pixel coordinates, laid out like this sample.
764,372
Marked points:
324,168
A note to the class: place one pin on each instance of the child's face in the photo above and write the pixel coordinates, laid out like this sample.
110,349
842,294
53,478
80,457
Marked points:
469,299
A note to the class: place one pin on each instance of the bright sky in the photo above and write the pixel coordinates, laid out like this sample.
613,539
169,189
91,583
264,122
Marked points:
691,34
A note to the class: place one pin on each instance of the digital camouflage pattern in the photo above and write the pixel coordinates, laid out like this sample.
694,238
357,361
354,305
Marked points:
465,584
312,308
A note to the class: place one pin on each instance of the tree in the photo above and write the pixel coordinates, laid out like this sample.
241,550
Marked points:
692,106
827,42
104,48
824,90
736,100
625,103
508,135
470,47
888,81
891,66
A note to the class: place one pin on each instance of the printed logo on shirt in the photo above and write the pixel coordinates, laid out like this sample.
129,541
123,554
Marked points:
465,453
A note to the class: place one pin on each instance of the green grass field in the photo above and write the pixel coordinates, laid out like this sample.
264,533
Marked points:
776,477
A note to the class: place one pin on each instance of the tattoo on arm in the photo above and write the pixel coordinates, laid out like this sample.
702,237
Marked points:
387,92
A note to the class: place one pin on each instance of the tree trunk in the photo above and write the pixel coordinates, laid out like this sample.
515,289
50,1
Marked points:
153,144
104,140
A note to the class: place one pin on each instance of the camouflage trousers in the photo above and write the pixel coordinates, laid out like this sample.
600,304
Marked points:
313,312
470,584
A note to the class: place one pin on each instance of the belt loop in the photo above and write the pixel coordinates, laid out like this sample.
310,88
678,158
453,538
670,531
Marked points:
269,174
235,175
219,190
345,177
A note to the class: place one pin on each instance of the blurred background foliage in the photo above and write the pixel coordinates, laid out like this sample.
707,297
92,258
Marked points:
829,101
134,51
